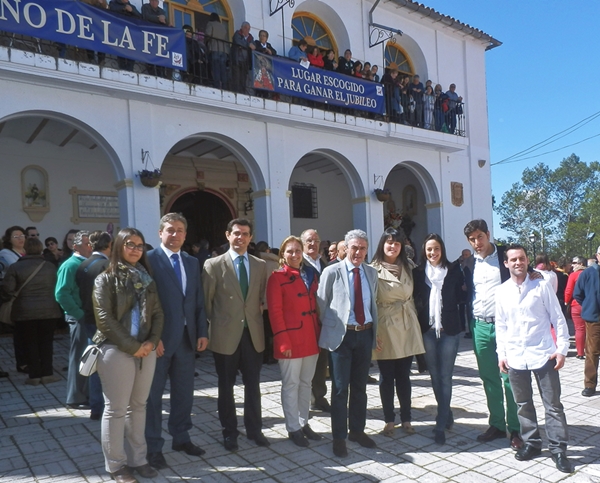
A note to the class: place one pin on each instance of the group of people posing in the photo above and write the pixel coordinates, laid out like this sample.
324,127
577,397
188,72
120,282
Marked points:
152,312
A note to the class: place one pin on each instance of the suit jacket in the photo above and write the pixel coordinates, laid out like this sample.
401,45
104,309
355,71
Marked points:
333,298
225,305
179,309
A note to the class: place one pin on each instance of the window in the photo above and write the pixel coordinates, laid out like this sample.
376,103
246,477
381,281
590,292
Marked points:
196,13
309,28
396,57
304,201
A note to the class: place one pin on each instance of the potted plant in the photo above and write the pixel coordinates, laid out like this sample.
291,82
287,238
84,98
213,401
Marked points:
383,195
150,178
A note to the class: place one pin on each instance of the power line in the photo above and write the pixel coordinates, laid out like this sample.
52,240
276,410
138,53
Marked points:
551,139
547,152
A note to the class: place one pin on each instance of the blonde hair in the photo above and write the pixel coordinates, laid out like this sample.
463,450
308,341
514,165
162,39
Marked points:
284,243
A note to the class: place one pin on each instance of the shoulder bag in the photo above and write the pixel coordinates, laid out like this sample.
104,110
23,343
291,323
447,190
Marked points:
6,308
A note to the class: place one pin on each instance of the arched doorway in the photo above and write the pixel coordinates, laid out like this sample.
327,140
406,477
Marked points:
207,215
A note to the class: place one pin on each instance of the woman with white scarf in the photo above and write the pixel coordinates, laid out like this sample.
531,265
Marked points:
437,293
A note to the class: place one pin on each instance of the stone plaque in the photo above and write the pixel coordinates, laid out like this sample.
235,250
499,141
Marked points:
457,193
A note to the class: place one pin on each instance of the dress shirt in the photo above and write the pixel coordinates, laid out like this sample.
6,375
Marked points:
366,291
524,314
183,276
234,256
314,263
486,280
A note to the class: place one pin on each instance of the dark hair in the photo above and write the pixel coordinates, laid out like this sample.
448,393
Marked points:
29,228
100,240
8,233
513,246
356,64
261,31
543,259
434,236
302,42
50,239
116,255
214,17
397,235
240,222
262,247
33,246
475,225
170,218
67,252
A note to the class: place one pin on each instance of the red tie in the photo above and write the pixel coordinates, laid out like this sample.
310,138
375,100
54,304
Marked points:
359,308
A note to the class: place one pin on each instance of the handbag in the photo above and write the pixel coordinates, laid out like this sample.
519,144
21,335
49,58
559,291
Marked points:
6,308
89,360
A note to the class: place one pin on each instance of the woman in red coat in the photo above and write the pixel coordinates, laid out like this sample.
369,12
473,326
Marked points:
579,265
291,296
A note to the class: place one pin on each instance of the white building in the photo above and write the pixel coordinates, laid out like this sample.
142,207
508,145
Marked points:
80,131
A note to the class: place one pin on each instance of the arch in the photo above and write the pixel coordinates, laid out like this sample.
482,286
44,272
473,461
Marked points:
396,57
427,183
98,139
184,191
183,12
310,28
328,18
413,52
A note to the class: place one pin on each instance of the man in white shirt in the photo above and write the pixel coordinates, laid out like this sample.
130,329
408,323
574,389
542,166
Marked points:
525,312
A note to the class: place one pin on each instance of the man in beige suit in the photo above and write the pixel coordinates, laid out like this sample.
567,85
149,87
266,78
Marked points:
234,287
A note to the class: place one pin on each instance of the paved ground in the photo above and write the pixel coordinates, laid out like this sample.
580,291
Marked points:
41,440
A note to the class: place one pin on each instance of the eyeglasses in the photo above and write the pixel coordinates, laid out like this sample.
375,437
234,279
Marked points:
18,237
132,246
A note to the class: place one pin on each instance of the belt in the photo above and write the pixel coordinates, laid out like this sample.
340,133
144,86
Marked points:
486,320
359,328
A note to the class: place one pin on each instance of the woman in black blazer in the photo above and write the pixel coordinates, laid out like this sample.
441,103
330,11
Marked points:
438,290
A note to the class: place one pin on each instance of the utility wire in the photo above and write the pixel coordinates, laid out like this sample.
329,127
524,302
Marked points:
551,139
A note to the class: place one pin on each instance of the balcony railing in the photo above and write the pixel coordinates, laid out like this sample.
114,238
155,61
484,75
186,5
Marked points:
200,71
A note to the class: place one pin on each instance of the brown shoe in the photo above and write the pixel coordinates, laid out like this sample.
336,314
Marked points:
491,434
124,475
516,442
339,448
145,471
362,439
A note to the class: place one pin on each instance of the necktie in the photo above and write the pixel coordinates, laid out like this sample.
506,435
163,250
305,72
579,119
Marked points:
177,268
359,309
243,276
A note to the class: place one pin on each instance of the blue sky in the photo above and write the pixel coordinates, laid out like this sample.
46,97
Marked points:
540,81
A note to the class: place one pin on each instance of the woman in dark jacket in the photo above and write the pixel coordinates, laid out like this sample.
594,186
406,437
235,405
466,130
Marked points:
291,296
437,294
35,311
129,318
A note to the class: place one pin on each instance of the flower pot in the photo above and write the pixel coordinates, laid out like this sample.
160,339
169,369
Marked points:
150,182
383,196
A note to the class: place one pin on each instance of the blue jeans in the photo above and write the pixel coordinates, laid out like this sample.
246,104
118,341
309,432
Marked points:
440,355
349,369
219,69
395,372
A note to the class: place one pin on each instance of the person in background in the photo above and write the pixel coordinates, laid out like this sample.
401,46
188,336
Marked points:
579,264
346,64
357,70
264,253
67,246
51,252
262,44
129,318
374,74
562,274
542,265
314,57
201,251
398,327
218,47
438,293
428,105
32,232
291,298
241,57
329,61
298,52
35,311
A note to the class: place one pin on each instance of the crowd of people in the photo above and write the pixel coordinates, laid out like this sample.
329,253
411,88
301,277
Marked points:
313,306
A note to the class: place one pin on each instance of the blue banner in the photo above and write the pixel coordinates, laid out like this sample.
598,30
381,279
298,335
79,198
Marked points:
75,23
284,76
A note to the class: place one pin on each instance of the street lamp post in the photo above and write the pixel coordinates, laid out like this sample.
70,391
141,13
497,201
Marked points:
589,238
532,240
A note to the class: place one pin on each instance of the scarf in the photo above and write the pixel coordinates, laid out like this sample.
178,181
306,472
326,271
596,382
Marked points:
393,268
435,276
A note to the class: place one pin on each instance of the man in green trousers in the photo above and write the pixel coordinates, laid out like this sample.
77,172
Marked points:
484,272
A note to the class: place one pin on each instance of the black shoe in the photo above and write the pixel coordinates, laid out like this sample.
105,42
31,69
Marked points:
95,416
259,439
468,335
439,437
491,434
157,461
3,374
527,453
310,434
362,439
372,380
298,438
79,407
188,448
339,448
588,392
562,462
230,443
321,405
581,358
145,471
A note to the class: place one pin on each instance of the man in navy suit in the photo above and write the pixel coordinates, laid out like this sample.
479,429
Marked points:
177,277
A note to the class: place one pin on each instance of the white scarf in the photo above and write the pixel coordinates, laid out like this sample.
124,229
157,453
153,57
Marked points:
435,277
